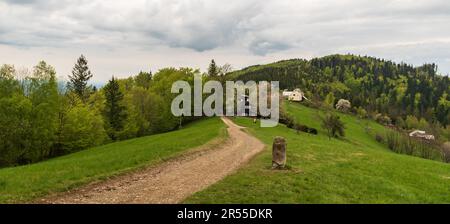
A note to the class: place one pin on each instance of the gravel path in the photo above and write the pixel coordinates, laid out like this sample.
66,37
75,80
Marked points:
174,180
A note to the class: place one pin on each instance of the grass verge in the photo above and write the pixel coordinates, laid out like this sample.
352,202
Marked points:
24,183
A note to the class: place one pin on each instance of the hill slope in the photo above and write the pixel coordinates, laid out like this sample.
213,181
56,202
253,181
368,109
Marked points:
379,86
27,182
354,170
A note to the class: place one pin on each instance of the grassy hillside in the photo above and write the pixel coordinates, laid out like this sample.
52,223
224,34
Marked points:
356,169
27,182
377,85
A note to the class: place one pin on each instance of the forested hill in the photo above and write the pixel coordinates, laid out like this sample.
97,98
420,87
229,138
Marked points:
378,85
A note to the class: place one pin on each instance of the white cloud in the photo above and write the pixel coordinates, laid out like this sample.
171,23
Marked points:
125,36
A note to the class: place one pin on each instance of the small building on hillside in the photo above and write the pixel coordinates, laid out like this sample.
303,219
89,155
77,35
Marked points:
421,134
297,95
286,93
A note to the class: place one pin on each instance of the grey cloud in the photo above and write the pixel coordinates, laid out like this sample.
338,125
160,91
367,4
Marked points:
261,47
21,1
262,29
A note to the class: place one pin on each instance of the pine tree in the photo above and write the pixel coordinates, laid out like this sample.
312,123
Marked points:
213,69
115,112
79,78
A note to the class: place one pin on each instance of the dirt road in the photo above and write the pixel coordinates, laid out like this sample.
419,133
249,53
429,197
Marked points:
171,181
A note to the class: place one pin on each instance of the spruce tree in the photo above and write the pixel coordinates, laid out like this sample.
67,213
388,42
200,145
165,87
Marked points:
213,70
79,78
115,112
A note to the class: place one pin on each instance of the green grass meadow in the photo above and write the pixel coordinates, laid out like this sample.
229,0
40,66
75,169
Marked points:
24,183
356,169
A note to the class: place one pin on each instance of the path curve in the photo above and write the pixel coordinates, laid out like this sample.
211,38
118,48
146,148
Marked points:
174,180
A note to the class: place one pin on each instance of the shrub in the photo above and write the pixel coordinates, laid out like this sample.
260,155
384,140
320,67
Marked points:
312,131
290,123
404,144
446,132
446,152
411,122
361,113
379,138
334,126
399,122
300,127
382,119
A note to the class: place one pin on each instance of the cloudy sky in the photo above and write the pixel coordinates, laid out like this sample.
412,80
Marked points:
122,37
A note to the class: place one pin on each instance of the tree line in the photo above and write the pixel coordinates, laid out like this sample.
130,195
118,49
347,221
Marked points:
42,117
399,93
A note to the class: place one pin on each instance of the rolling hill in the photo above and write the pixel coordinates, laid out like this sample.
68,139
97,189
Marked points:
24,183
377,85
356,169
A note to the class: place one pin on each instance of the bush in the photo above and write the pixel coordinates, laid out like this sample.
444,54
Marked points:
411,122
446,132
404,144
312,131
446,152
382,119
290,123
379,138
300,127
82,128
361,113
334,126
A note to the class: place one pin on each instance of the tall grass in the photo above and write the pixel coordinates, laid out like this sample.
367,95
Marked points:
403,144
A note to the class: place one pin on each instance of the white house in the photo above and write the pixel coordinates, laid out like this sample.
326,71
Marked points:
421,134
286,93
296,95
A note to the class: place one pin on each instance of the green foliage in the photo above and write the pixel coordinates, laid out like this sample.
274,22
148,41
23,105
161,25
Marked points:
82,128
213,70
399,122
403,144
25,183
15,125
446,152
446,132
443,109
383,119
79,78
115,112
411,122
356,169
377,85
143,79
38,123
28,115
333,125
329,100
8,84
43,94
361,113
48,122
423,124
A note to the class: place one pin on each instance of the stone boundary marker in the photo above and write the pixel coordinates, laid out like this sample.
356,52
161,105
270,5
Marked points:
278,152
